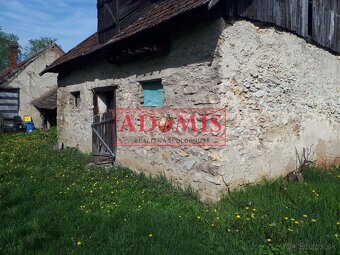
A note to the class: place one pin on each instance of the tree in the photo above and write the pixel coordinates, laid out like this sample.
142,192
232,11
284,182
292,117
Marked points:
5,40
36,45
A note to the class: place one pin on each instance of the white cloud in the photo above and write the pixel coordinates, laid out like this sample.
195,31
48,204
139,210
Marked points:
69,21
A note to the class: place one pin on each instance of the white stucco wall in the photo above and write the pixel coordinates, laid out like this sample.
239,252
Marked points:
32,85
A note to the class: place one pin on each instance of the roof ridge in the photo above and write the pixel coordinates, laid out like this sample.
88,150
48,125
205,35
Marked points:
24,63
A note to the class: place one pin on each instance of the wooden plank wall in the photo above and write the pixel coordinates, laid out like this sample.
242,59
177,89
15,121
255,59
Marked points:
120,9
326,26
315,19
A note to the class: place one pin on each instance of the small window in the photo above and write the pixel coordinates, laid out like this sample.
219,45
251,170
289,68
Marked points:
153,94
76,98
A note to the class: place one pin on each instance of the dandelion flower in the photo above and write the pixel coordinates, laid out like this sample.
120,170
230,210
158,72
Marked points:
150,235
296,222
78,243
254,210
313,220
213,225
305,216
198,217
269,240
285,218
228,230
247,208
338,223
238,217
290,229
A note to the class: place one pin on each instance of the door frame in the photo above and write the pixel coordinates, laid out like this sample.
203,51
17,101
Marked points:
109,92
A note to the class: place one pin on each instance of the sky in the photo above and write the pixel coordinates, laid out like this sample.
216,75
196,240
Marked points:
68,21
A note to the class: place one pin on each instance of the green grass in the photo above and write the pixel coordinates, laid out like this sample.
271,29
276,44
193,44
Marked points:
51,202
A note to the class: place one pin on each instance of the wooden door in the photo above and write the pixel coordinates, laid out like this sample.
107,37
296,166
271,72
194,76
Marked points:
104,126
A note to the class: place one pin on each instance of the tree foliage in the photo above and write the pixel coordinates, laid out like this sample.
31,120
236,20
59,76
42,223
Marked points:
36,45
5,40
33,47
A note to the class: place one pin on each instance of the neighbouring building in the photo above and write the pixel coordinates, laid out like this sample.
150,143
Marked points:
274,67
24,92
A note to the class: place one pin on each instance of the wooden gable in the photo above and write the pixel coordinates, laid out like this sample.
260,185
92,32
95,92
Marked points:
113,13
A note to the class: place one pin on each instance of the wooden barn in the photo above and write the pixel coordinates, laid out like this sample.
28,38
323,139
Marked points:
272,65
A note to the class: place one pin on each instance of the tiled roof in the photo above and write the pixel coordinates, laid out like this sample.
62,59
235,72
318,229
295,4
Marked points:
155,14
85,47
7,73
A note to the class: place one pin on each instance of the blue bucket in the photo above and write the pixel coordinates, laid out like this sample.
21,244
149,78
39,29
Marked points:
29,127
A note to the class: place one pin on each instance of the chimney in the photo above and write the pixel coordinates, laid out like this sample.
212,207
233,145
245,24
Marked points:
13,55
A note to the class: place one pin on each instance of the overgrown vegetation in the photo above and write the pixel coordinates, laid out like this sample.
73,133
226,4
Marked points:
51,202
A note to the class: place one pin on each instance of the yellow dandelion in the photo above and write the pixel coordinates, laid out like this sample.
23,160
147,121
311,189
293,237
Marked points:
336,235
198,217
78,243
238,217
285,218
228,230
247,208
248,219
290,229
254,210
296,222
269,240
292,219
213,225
338,223
150,235
305,216
313,220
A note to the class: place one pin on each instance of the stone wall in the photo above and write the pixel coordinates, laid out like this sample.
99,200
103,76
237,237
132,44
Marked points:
33,86
279,92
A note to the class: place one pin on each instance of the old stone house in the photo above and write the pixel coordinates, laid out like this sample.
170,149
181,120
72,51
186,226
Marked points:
271,67
24,92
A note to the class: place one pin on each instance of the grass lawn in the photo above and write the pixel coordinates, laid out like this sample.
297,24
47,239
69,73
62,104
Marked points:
51,202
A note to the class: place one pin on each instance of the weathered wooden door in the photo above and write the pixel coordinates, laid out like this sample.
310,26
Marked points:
104,128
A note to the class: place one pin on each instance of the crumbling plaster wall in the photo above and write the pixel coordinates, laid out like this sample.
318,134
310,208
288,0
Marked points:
33,86
279,92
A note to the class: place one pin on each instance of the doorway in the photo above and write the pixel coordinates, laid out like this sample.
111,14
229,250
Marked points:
104,135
